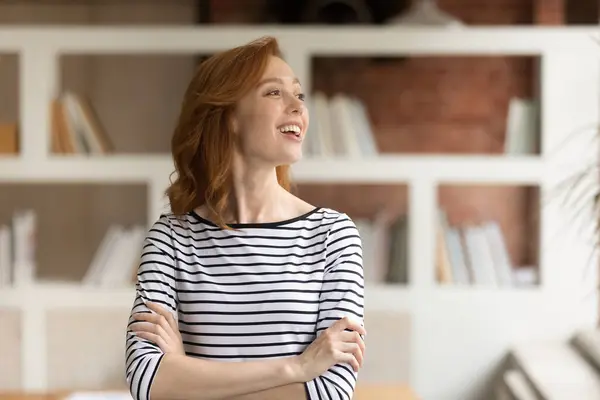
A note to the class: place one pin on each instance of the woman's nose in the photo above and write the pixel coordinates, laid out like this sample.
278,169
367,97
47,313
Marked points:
296,106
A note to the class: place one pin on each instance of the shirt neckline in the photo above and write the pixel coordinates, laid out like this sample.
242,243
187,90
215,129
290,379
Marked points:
273,224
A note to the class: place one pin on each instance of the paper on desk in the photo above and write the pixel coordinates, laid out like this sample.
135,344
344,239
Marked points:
100,395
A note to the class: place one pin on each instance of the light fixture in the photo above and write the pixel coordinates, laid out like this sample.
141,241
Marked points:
425,12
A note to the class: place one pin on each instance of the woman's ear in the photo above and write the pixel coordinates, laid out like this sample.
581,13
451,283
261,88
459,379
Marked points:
234,124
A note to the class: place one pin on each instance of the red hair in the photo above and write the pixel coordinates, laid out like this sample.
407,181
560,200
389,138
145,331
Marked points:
202,144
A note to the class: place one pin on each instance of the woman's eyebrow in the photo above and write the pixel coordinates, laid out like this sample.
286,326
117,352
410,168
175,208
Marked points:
277,80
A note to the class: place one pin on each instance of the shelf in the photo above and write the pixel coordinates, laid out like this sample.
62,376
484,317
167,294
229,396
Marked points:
377,296
10,108
487,233
68,222
388,169
490,317
112,168
340,40
383,169
58,295
389,297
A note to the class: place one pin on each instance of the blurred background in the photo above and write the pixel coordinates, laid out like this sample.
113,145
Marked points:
459,135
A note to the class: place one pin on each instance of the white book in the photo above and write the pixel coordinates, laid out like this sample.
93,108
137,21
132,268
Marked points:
98,264
89,136
526,276
322,117
521,127
499,252
311,147
124,257
6,257
381,245
112,266
24,237
344,128
518,385
481,261
73,119
365,230
360,119
130,256
460,271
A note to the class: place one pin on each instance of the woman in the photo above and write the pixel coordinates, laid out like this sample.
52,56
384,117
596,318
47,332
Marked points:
245,291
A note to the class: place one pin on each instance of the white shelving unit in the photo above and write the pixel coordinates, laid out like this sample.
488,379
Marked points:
478,324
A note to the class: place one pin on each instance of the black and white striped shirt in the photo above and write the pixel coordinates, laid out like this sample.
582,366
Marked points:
261,291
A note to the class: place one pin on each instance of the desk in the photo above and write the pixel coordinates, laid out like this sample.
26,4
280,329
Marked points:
363,392
374,392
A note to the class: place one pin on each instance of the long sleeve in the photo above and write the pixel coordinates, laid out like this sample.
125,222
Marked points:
342,295
156,283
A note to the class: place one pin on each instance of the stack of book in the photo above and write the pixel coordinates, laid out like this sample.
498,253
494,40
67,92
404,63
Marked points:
553,370
17,249
76,128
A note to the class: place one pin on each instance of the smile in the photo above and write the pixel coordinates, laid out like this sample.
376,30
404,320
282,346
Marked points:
292,130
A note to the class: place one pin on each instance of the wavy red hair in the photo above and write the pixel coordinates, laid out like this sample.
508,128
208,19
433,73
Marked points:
202,144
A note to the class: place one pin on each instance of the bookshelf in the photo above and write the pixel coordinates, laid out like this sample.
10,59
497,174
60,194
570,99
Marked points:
492,318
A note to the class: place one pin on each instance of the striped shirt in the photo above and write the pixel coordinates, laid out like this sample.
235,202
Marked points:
263,290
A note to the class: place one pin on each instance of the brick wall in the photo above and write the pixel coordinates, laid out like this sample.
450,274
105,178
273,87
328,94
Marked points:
436,105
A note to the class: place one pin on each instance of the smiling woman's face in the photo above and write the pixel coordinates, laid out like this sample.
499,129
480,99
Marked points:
271,120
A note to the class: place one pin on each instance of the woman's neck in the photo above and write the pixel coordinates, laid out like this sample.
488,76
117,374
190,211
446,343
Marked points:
256,196
256,201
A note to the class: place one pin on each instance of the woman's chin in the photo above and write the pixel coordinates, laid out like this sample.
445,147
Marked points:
294,158
290,157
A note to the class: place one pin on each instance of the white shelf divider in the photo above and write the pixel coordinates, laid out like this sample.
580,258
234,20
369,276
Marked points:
492,318
394,168
340,40
38,78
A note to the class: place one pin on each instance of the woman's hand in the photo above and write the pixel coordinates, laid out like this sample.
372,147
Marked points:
160,328
335,345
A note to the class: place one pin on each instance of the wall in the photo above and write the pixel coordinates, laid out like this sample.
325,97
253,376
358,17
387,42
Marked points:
435,105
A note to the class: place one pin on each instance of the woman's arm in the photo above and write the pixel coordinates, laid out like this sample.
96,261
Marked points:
342,304
182,377
295,391
157,366
342,296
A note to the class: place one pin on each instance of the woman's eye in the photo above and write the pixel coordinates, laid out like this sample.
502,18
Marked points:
302,96
275,92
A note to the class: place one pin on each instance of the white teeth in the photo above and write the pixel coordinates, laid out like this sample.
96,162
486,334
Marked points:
290,128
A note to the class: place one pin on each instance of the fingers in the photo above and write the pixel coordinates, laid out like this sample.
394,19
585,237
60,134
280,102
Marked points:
153,332
355,350
357,327
160,319
160,310
157,320
349,359
353,337
350,345
347,323
154,338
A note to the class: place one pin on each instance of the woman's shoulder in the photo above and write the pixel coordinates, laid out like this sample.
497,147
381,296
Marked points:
169,224
336,218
